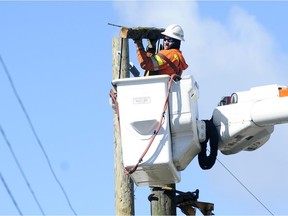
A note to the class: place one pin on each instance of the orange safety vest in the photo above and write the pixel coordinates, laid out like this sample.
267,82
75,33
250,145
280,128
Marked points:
156,63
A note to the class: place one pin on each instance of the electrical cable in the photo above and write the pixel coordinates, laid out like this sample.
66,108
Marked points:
21,170
246,188
35,134
10,194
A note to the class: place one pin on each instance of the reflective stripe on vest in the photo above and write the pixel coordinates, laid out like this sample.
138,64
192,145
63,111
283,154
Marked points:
158,61
155,62
176,57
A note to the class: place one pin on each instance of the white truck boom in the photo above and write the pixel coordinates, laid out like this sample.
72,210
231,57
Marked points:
245,120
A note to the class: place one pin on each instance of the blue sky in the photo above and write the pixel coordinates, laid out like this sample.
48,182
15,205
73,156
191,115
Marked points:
59,57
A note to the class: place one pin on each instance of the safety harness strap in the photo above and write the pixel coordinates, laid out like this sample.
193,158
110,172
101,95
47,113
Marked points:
170,63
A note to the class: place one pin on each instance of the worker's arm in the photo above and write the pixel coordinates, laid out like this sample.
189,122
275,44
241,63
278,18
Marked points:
145,59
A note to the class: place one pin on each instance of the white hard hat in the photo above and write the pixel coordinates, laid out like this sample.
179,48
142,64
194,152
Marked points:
174,31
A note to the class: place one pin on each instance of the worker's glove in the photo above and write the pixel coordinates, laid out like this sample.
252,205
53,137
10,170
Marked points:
151,47
137,39
152,43
139,44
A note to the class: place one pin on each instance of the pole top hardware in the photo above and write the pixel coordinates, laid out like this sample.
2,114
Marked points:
142,32
186,201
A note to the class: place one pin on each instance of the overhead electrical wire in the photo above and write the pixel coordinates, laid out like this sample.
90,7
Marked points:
21,170
35,134
10,194
246,188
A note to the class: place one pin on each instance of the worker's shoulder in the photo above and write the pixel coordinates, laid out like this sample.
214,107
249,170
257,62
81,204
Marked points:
170,52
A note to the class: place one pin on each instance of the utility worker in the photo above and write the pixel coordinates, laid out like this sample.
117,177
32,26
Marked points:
169,60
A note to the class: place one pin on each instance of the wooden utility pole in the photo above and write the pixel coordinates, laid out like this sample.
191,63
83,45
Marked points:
124,186
163,202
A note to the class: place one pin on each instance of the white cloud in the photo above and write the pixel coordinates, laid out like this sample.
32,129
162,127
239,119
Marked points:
236,54
156,13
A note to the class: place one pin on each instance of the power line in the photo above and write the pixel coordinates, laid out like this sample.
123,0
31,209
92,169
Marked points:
246,188
34,132
21,170
10,194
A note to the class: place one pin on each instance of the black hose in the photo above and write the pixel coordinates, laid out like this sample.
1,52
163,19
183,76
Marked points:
207,161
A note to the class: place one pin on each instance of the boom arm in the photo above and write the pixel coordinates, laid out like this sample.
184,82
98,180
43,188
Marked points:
245,120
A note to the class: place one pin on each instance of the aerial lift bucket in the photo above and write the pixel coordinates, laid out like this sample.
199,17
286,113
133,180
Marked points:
141,101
